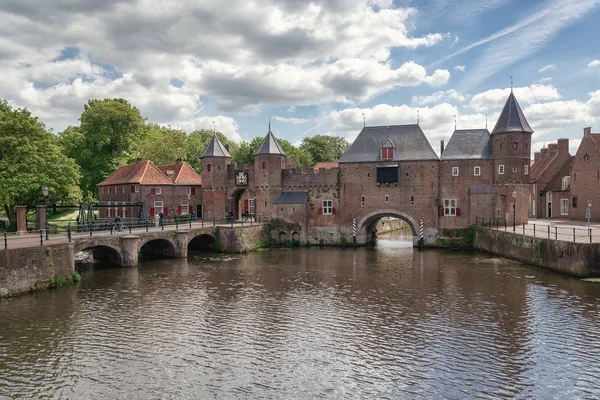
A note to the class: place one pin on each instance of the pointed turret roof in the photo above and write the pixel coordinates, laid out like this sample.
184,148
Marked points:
270,145
215,149
512,118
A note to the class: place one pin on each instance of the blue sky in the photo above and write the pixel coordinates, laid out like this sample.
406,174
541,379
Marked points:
313,68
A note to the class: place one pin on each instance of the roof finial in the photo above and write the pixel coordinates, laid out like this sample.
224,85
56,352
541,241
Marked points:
454,121
485,120
364,121
417,117
269,124
511,84
214,128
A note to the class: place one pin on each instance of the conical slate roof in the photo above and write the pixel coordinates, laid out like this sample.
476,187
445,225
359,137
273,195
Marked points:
215,149
270,145
512,118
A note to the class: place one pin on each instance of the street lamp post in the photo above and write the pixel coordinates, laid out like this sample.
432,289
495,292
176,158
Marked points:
514,195
45,193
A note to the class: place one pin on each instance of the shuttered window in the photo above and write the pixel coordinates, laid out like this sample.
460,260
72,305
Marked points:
387,174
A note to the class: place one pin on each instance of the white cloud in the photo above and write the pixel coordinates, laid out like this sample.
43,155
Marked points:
226,125
594,63
547,68
439,78
544,80
497,97
291,120
460,68
439,97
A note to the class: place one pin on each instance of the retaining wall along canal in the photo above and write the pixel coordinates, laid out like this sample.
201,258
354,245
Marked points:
578,259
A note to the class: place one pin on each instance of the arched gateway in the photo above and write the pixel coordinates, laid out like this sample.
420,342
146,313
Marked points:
368,223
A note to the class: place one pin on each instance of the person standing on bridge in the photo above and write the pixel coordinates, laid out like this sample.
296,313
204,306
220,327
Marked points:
161,218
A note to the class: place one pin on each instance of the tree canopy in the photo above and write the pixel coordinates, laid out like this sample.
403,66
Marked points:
162,145
245,152
29,159
323,148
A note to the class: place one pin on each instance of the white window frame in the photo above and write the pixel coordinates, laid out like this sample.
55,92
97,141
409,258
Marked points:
188,191
102,190
116,189
122,188
450,207
158,209
501,169
123,208
137,188
564,206
526,169
565,182
327,207
157,190
454,171
185,207
476,171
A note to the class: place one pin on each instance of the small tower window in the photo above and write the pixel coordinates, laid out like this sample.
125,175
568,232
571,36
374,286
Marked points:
515,145
586,158
500,169
264,165
208,167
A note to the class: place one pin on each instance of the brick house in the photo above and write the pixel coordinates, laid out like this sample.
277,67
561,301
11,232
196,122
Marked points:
585,177
143,190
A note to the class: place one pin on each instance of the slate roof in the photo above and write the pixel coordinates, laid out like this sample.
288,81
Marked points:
215,149
482,189
142,172
409,140
469,144
291,197
183,174
270,145
512,119
555,184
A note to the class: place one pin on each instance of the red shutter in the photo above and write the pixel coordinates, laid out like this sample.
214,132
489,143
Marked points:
333,210
152,211
458,212
132,188
179,210
166,211
246,205
320,210
153,191
441,211
191,209
193,190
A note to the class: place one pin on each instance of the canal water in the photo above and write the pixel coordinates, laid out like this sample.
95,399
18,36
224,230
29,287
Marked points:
388,323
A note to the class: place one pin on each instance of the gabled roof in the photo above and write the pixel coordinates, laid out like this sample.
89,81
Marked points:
409,140
388,143
469,144
555,184
291,197
215,149
142,172
270,145
512,119
183,174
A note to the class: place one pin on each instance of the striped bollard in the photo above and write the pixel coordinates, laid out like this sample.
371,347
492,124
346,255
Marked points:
421,229
354,231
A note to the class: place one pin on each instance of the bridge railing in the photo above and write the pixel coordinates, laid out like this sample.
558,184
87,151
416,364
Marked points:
542,230
70,229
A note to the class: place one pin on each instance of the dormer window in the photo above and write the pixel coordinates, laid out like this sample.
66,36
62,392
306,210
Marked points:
387,152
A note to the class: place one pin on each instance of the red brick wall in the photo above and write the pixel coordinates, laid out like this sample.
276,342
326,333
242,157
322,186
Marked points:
585,184
504,154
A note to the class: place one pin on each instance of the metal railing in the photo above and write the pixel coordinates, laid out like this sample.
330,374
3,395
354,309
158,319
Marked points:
72,229
544,231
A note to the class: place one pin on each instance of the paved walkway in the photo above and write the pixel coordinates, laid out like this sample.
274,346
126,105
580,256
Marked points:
33,239
570,231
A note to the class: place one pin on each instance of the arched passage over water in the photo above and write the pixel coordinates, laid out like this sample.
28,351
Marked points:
158,248
202,243
101,255
368,224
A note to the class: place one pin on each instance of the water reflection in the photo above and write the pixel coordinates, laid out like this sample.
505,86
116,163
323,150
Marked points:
387,322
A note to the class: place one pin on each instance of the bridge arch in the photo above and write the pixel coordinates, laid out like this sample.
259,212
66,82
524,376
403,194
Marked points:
106,255
202,242
158,247
368,223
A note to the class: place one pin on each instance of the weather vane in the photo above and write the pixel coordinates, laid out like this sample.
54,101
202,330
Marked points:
364,120
214,128
417,117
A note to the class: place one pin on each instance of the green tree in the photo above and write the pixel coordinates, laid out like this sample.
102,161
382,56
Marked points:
301,156
163,145
110,132
324,148
244,153
30,158
197,142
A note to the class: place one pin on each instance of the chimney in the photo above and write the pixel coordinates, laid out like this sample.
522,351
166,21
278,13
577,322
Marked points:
178,161
587,131
563,146
544,152
552,149
537,156
441,147
227,147
138,160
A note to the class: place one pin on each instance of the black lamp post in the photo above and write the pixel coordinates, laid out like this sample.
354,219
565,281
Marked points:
514,194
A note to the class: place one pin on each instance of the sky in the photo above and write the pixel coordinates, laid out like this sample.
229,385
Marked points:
321,67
